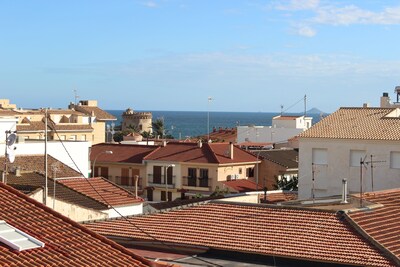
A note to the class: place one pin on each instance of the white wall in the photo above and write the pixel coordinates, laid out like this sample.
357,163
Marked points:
79,152
6,124
328,177
125,211
265,134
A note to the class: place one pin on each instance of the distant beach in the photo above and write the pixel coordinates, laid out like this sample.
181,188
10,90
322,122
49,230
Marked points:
182,124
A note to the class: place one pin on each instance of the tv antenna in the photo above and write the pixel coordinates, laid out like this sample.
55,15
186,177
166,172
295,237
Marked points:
76,96
364,164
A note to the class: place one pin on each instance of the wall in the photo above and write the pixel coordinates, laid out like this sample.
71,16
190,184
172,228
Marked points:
328,177
125,211
265,134
79,152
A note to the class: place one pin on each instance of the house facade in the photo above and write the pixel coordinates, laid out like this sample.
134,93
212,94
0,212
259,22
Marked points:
361,145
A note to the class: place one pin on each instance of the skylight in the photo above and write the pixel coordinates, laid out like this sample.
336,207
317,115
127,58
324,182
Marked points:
16,238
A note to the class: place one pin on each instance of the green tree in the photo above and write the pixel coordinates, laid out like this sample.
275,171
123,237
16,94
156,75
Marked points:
159,128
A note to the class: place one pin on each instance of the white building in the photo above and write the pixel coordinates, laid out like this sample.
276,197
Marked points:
335,148
282,129
74,154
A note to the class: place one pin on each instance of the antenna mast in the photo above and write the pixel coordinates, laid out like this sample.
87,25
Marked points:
76,96
305,105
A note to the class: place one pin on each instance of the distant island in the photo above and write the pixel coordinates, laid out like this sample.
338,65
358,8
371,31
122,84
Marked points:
315,111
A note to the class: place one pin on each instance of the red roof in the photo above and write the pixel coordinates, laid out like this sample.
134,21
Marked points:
311,235
101,190
66,242
121,153
217,153
382,223
242,185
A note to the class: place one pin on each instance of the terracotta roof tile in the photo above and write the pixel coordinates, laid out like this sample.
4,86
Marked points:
357,123
66,242
242,185
382,223
121,153
217,153
294,233
101,190
98,112
285,157
35,126
35,163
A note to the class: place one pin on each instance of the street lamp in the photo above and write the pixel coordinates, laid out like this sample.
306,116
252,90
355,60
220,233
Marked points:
166,180
94,162
208,119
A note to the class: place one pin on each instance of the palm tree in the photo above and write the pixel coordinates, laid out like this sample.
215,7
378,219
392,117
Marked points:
159,128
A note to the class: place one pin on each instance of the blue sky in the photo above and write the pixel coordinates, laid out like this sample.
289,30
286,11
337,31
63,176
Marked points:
174,54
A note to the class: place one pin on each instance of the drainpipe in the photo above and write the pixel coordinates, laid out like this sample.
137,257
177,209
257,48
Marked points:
136,185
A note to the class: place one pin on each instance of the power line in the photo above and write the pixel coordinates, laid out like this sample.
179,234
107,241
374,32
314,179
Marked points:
122,216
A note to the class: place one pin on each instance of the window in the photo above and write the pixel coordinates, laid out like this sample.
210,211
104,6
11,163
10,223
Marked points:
83,137
240,171
125,176
395,160
204,177
72,137
320,156
356,156
192,176
157,174
63,137
250,172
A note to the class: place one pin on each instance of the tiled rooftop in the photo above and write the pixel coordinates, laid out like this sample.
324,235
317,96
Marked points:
121,153
357,123
34,126
382,224
35,163
284,232
242,185
66,242
217,153
287,158
101,190
98,112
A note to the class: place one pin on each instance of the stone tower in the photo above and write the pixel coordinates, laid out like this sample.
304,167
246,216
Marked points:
141,120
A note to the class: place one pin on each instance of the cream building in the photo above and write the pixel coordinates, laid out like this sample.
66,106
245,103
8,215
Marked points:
142,121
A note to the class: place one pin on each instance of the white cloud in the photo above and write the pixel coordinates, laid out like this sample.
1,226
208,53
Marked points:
306,31
298,5
150,4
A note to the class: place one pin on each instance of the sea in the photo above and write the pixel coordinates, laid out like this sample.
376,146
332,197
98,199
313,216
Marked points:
184,124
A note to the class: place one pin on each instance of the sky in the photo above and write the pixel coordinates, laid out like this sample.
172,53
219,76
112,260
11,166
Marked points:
251,56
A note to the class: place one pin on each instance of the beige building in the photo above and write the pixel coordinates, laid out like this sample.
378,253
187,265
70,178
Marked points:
82,122
173,169
141,121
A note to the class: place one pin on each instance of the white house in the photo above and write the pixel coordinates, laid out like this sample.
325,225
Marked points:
282,129
334,149
75,154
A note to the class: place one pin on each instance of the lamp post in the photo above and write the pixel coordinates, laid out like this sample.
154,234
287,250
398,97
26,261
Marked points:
208,119
258,155
166,180
94,162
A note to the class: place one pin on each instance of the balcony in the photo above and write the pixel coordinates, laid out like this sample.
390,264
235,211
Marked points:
128,182
157,181
196,183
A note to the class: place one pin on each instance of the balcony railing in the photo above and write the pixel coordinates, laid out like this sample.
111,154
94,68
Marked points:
128,181
196,182
158,181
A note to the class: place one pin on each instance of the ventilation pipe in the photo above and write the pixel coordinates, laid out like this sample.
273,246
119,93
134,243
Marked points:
231,150
344,191
136,185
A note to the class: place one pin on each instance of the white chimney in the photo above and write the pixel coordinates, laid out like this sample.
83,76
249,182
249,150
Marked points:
385,101
344,191
231,150
200,144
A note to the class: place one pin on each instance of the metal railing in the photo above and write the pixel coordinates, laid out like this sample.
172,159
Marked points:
128,181
196,181
158,181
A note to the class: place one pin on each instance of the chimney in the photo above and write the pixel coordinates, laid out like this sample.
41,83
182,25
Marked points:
199,144
231,150
18,172
385,101
344,191
366,105
164,143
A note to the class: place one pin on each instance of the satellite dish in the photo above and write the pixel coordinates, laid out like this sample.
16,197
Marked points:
11,139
